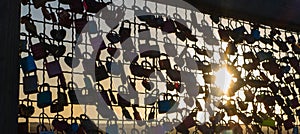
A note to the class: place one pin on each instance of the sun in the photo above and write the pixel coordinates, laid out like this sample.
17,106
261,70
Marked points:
223,79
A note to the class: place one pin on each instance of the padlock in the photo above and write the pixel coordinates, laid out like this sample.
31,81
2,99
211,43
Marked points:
100,72
224,32
27,64
113,37
38,50
44,97
231,48
147,69
72,93
71,61
167,105
56,107
30,84
147,84
168,26
103,94
58,35
53,68
164,64
80,24
281,44
151,114
23,43
64,17
123,97
62,96
93,6
144,32
76,6
59,123
125,31
174,74
29,24
39,3
112,50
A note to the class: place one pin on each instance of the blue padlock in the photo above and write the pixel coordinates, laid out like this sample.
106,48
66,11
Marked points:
27,64
44,98
255,33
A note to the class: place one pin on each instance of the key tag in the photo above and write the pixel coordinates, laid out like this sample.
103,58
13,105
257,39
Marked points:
44,97
53,68
72,92
100,71
125,31
164,105
30,84
169,85
28,64
113,50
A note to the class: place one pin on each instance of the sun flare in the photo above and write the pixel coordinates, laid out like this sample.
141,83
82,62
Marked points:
223,79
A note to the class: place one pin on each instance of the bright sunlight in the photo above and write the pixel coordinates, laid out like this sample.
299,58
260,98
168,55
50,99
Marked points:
223,79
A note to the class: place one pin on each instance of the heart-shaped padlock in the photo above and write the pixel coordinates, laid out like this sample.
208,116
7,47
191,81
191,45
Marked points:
58,35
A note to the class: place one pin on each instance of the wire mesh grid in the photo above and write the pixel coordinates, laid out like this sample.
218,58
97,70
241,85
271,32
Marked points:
219,54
